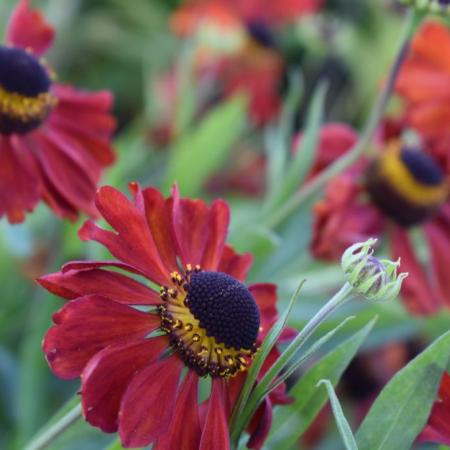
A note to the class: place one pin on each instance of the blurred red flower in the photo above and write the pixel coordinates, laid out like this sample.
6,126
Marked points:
207,320
54,140
438,426
400,188
238,40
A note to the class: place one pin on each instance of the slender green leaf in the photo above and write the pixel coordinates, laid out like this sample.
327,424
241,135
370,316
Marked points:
278,139
239,420
344,428
291,421
401,410
202,150
314,348
299,166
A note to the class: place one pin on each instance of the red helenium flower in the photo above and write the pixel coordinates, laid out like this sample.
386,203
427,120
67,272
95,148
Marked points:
438,426
54,140
176,276
400,188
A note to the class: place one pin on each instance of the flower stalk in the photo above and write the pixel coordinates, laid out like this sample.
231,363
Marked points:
53,432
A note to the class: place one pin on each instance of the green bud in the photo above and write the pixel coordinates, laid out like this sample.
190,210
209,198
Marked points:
376,279
432,6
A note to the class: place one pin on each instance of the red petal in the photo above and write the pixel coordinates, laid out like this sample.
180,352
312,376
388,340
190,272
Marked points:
439,244
215,435
65,174
159,221
218,221
260,425
148,405
132,242
27,28
113,285
184,430
20,186
190,223
233,264
87,325
419,296
87,265
107,375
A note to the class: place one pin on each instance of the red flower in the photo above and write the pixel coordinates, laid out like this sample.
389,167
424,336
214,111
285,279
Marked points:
400,188
438,426
54,140
237,39
130,341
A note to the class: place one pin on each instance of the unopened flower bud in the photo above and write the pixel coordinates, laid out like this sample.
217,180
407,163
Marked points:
376,279
433,6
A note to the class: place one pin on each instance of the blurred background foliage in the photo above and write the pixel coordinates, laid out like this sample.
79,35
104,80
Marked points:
124,47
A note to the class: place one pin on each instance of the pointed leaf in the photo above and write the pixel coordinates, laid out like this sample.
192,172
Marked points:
401,410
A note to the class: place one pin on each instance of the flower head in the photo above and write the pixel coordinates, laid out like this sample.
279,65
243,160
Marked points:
130,342
376,279
403,185
54,140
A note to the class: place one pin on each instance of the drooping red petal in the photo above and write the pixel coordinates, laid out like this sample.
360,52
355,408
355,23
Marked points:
215,435
107,375
148,404
132,243
113,285
190,224
84,120
85,326
27,28
184,430
65,174
234,264
260,425
419,296
265,295
20,184
218,221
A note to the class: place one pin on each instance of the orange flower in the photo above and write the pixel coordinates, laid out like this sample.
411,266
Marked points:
424,82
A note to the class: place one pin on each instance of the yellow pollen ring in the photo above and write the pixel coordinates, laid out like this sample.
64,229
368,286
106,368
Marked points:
392,169
26,109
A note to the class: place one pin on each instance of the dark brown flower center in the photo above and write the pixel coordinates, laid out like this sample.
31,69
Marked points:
25,98
212,321
407,185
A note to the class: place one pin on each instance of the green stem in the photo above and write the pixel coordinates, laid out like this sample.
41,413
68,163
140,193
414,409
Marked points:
412,21
264,385
49,435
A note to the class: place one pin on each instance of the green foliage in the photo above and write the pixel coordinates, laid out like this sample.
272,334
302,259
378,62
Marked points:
291,421
401,410
203,149
344,428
